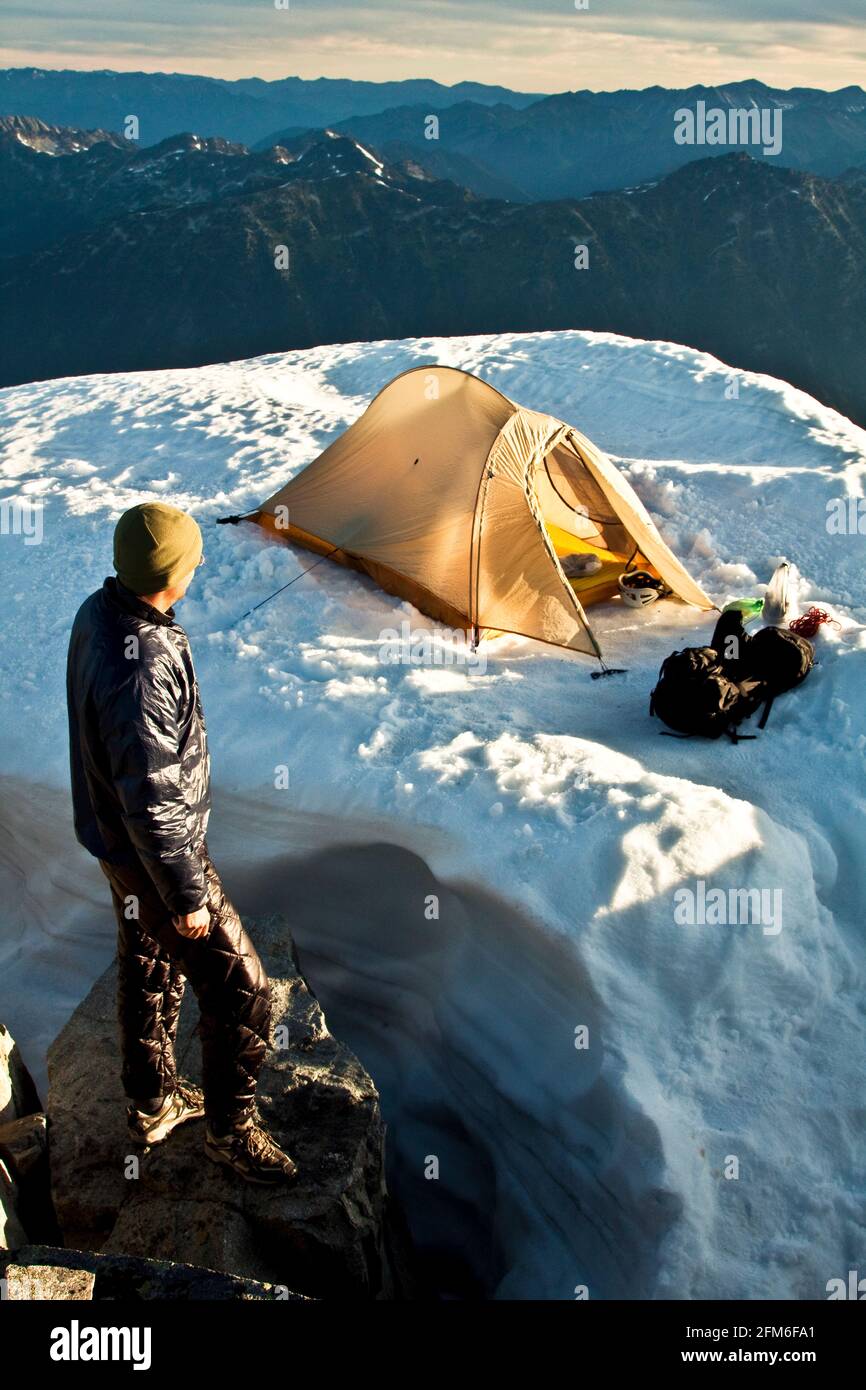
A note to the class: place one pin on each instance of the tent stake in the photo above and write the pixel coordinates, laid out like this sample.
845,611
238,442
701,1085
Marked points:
609,671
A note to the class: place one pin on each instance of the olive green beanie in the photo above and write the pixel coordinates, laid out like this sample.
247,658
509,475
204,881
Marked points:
155,546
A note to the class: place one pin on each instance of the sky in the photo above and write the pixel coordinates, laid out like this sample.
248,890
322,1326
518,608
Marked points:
529,45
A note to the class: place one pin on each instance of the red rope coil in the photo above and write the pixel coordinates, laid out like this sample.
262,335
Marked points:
808,624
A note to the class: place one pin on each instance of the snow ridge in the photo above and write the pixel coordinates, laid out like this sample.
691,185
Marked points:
517,776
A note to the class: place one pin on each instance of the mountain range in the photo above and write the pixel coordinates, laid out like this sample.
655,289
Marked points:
576,143
119,258
245,110
499,143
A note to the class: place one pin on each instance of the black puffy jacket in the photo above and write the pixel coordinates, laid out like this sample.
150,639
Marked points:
138,746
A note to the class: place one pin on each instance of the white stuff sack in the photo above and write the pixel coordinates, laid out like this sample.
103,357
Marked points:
780,600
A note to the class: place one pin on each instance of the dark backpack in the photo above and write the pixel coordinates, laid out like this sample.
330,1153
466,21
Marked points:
695,695
779,657
700,692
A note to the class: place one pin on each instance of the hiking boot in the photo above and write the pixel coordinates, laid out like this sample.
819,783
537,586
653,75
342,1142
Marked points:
251,1153
184,1102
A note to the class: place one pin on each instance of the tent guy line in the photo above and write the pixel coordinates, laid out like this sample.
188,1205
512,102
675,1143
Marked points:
233,521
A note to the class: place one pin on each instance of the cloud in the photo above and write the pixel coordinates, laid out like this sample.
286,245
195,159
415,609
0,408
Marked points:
549,46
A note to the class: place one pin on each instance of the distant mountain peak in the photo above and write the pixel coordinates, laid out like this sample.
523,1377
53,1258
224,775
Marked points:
38,135
189,143
329,154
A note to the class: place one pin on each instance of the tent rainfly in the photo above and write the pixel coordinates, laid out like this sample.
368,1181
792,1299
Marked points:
450,495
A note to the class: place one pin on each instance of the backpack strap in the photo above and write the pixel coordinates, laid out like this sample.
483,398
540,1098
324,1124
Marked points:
731,733
768,705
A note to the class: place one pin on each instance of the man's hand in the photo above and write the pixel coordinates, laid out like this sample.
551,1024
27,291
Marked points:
194,924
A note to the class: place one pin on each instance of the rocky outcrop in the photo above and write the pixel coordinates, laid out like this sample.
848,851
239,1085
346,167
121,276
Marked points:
24,1157
18,1094
12,1232
335,1233
25,1200
49,1272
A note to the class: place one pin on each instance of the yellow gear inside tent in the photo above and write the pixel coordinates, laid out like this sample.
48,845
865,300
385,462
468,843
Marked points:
450,495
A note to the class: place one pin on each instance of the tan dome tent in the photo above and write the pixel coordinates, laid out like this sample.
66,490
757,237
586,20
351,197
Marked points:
448,494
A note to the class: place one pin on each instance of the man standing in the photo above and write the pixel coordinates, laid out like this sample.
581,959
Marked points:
141,795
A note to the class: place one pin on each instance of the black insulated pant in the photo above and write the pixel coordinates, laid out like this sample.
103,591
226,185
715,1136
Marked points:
224,970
